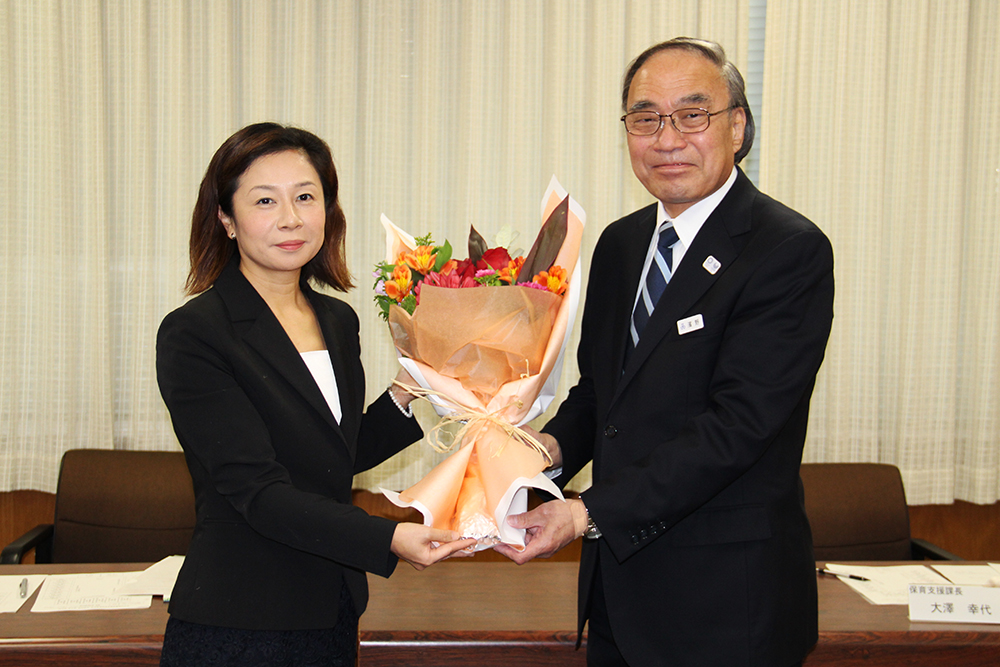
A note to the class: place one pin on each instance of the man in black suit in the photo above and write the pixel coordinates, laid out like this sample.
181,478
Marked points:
694,411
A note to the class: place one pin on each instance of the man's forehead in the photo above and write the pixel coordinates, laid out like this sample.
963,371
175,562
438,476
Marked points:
676,77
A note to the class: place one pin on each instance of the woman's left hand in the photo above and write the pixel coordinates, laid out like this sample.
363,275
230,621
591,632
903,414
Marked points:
403,397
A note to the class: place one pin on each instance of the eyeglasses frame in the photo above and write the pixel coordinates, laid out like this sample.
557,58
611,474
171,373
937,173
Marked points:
671,117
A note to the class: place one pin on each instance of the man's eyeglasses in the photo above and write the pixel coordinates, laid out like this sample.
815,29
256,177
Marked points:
685,121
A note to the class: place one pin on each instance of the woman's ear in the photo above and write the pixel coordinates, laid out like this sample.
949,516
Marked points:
227,223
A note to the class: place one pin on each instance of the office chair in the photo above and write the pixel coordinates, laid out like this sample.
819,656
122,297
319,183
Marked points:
114,506
858,511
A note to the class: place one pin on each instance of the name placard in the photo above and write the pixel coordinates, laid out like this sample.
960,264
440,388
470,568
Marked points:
954,604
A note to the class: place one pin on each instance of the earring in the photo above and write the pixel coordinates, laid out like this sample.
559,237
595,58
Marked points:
233,235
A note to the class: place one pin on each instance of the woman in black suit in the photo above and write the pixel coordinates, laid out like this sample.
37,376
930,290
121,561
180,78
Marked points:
263,380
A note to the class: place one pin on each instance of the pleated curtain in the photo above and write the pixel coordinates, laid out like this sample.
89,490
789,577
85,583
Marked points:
877,121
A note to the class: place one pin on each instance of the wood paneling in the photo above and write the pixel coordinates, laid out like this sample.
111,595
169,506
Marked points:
967,530
20,511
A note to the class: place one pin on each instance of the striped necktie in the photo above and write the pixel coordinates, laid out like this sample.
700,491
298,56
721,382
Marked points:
656,281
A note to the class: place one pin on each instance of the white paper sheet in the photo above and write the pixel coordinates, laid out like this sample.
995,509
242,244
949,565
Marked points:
157,579
888,584
10,590
968,575
79,592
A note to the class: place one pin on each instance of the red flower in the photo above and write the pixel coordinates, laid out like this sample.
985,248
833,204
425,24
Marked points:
465,269
494,258
452,280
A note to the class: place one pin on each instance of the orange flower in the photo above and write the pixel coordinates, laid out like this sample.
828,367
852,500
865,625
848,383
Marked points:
508,274
554,280
448,267
399,286
421,259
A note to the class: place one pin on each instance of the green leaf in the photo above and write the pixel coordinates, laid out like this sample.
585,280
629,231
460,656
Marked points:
548,243
491,280
477,245
443,255
409,303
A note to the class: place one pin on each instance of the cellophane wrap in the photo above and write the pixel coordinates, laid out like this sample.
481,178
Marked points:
489,358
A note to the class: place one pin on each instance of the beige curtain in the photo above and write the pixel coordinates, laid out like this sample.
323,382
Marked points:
880,123
439,114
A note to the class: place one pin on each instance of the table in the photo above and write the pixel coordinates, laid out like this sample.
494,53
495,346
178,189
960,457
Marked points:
485,613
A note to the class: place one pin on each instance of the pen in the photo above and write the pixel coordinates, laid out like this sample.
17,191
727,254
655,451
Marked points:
856,577
24,587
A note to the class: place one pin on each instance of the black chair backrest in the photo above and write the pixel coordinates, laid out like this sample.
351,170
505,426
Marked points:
116,506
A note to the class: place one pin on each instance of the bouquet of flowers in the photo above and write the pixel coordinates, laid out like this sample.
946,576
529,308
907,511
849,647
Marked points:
484,337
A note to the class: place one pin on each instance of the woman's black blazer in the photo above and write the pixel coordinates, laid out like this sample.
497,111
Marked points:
276,535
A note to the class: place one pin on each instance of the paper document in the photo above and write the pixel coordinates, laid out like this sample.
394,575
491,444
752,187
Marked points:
79,592
888,584
157,579
16,589
968,575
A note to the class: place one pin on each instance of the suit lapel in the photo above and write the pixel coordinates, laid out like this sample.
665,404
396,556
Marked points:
716,239
262,331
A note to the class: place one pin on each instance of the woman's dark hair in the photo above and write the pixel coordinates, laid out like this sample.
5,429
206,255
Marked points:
210,247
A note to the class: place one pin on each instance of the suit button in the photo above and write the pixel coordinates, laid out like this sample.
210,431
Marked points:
643,534
610,431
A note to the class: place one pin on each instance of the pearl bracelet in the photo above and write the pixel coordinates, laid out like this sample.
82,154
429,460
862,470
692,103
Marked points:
407,411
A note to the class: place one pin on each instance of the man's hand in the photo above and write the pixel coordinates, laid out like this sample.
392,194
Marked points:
421,546
549,527
550,444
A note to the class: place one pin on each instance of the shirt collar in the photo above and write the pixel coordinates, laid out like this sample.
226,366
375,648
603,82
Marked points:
690,221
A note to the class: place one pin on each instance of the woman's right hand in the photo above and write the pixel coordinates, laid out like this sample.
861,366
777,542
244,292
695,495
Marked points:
421,546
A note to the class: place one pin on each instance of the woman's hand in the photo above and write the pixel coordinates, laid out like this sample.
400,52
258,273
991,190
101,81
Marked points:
421,546
550,444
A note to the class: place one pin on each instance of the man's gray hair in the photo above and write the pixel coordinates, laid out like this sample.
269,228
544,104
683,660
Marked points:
715,54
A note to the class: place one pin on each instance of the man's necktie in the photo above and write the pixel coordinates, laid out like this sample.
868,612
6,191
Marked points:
656,281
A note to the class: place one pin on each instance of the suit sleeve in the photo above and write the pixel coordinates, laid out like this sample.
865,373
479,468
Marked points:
763,372
220,427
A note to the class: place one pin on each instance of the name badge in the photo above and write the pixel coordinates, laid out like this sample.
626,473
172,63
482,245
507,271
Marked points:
690,324
712,265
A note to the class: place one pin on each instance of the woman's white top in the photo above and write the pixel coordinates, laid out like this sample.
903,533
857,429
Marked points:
321,368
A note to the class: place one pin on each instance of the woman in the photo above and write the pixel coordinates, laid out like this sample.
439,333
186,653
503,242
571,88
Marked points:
263,380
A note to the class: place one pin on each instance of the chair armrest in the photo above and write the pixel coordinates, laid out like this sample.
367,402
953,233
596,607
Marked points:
38,538
922,549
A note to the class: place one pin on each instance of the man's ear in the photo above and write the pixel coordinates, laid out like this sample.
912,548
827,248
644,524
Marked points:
739,124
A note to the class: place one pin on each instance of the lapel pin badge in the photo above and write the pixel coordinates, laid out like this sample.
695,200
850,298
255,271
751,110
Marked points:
712,265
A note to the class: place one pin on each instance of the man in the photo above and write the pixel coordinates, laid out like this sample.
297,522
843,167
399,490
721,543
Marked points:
694,414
